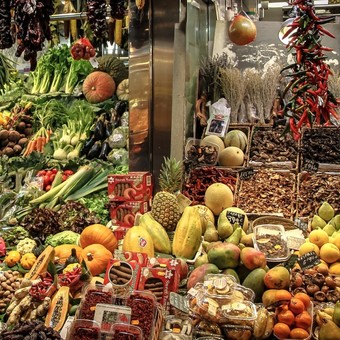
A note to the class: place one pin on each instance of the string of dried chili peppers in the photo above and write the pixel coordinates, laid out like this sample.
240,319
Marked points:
311,101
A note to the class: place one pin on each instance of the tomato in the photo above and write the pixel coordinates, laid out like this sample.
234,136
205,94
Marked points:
52,177
48,188
64,178
68,172
54,171
47,181
41,173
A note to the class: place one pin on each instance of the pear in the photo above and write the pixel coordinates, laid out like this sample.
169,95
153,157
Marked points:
329,331
235,237
210,234
318,222
248,240
329,229
326,211
202,259
336,314
335,222
224,228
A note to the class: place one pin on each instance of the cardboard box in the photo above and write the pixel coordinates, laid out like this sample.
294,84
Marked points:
123,213
134,186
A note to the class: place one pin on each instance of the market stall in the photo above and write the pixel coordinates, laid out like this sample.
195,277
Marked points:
237,240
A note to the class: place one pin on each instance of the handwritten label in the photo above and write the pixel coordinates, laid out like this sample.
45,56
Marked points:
179,302
234,217
310,166
308,260
246,173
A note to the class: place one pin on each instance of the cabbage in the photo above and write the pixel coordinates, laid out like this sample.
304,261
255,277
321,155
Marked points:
119,137
64,237
118,157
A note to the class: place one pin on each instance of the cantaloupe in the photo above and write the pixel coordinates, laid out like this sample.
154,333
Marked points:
213,139
236,138
218,197
231,156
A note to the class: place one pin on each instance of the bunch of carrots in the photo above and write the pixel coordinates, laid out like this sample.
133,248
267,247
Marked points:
38,141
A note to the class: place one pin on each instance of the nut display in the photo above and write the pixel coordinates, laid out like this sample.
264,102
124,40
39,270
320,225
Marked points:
200,154
120,273
268,192
272,145
321,145
9,283
313,189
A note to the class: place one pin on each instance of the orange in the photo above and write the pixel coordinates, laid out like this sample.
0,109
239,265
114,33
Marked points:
281,330
298,333
303,320
287,317
296,306
304,298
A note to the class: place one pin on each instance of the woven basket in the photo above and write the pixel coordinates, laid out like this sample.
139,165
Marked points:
285,222
158,322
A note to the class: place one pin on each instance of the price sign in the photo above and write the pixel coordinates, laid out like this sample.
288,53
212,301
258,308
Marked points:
246,173
308,260
179,302
234,217
310,166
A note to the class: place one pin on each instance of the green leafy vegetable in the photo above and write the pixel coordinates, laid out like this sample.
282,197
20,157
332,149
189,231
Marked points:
64,237
78,71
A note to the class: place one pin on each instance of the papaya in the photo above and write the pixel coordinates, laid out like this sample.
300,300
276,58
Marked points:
187,238
158,234
137,239
58,310
41,263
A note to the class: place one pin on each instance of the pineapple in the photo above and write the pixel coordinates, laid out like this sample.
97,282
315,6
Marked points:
165,208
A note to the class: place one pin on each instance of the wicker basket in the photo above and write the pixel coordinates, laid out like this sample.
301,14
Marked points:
158,322
285,222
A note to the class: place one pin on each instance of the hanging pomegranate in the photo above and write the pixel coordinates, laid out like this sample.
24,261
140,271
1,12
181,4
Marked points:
242,30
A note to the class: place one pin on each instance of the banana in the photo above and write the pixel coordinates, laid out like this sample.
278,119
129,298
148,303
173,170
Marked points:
269,326
260,323
118,32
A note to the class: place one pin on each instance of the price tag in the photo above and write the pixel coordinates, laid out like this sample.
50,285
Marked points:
308,260
246,173
179,302
310,166
235,217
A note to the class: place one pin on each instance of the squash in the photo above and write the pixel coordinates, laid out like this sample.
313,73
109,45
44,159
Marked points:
28,260
122,91
96,257
63,252
40,265
137,239
12,258
113,66
100,234
58,311
98,86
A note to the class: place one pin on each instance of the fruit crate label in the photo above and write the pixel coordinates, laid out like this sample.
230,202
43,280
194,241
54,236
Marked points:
246,173
179,302
308,260
301,224
310,166
235,217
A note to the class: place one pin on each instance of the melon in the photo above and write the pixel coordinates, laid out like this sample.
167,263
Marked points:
236,138
218,197
213,139
231,156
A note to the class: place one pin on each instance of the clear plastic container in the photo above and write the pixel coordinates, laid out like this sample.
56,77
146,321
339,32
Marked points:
242,293
271,239
198,153
166,335
178,325
239,313
237,332
143,311
123,331
82,329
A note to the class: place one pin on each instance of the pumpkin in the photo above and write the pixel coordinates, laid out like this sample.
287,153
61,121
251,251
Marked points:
96,257
12,258
27,261
100,234
123,90
98,86
63,252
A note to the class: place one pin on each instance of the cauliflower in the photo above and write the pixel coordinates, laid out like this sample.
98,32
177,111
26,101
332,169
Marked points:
26,246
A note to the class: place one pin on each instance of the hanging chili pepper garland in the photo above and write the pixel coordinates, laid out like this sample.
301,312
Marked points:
311,101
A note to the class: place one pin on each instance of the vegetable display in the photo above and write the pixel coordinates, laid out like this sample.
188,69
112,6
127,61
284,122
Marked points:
311,102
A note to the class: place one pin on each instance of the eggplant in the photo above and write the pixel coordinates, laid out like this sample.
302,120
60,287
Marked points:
121,106
88,145
105,150
95,150
108,129
99,130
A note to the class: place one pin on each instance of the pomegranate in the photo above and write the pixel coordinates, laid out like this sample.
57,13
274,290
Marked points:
242,30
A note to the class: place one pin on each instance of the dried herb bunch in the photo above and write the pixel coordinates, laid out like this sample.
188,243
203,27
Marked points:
334,86
232,89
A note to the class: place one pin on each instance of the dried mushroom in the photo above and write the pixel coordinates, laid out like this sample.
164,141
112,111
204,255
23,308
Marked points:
268,192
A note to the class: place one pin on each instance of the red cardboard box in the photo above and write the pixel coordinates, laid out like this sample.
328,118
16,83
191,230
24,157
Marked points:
134,186
123,213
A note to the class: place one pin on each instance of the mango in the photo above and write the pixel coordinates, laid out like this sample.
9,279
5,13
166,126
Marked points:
277,278
232,272
255,282
253,258
224,255
197,275
272,296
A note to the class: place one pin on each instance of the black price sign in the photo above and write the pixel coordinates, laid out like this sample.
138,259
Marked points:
308,260
291,261
179,302
235,217
246,173
310,166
